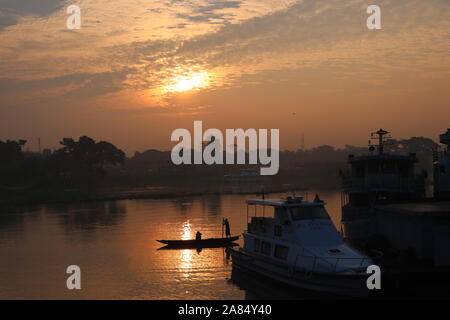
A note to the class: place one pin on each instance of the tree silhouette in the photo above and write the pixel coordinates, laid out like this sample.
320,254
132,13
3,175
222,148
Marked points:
11,152
85,157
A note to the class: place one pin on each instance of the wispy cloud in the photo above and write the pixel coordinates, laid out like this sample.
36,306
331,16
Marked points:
212,12
323,34
12,10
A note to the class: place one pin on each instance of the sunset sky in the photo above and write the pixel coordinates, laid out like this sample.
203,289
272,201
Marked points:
138,69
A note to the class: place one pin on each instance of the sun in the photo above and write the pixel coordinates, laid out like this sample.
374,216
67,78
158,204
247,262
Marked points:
188,82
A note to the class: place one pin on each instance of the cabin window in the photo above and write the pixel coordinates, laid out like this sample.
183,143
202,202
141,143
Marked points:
404,169
359,170
277,231
265,248
373,166
257,245
281,252
280,212
388,167
309,212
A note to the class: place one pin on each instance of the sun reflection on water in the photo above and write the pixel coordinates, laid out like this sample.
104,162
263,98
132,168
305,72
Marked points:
186,233
186,255
186,262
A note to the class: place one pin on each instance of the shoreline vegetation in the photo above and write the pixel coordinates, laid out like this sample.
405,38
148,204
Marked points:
85,170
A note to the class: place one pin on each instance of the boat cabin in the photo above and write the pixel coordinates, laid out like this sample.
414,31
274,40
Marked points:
291,219
297,232
282,213
379,176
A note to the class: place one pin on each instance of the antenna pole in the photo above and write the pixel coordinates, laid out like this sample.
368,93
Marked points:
380,138
380,133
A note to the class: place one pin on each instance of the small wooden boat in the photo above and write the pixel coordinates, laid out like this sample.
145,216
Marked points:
203,243
198,248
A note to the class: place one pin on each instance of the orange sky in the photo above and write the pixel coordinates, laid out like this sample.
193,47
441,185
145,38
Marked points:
139,69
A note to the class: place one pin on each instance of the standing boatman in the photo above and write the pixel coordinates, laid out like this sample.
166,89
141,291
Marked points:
227,227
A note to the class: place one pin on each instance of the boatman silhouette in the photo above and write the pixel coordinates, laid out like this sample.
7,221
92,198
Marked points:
317,199
227,227
198,236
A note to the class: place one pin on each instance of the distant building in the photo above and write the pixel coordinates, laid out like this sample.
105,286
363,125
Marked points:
46,153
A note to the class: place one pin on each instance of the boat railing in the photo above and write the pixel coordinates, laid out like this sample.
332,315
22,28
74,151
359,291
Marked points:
332,262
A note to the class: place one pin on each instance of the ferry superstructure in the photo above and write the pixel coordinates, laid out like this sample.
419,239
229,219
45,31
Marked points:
384,206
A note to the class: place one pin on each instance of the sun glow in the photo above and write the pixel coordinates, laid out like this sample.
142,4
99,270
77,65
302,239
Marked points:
188,82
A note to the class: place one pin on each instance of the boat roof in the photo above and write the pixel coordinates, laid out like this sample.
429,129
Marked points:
284,203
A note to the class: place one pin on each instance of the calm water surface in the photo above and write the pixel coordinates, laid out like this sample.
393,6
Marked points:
114,245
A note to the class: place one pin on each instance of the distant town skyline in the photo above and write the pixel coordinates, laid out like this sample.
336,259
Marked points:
136,70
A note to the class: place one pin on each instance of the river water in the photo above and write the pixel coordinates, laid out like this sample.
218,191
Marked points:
114,244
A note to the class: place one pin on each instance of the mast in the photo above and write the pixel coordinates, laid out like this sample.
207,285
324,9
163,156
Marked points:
381,137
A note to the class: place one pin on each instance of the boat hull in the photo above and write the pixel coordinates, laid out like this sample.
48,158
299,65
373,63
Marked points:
204,243
352,285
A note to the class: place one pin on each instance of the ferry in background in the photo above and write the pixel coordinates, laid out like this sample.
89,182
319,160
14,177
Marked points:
385,207
294,242
245,181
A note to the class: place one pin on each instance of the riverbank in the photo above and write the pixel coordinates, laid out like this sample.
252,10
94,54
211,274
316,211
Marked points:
113,194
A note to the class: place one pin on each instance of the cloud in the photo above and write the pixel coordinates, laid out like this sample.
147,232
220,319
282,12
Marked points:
76,87
158,110
178,26
41,7
319,32
323,34
209,13
7,20
12,10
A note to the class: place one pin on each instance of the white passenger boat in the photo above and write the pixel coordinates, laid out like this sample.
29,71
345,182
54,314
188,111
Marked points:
295,242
